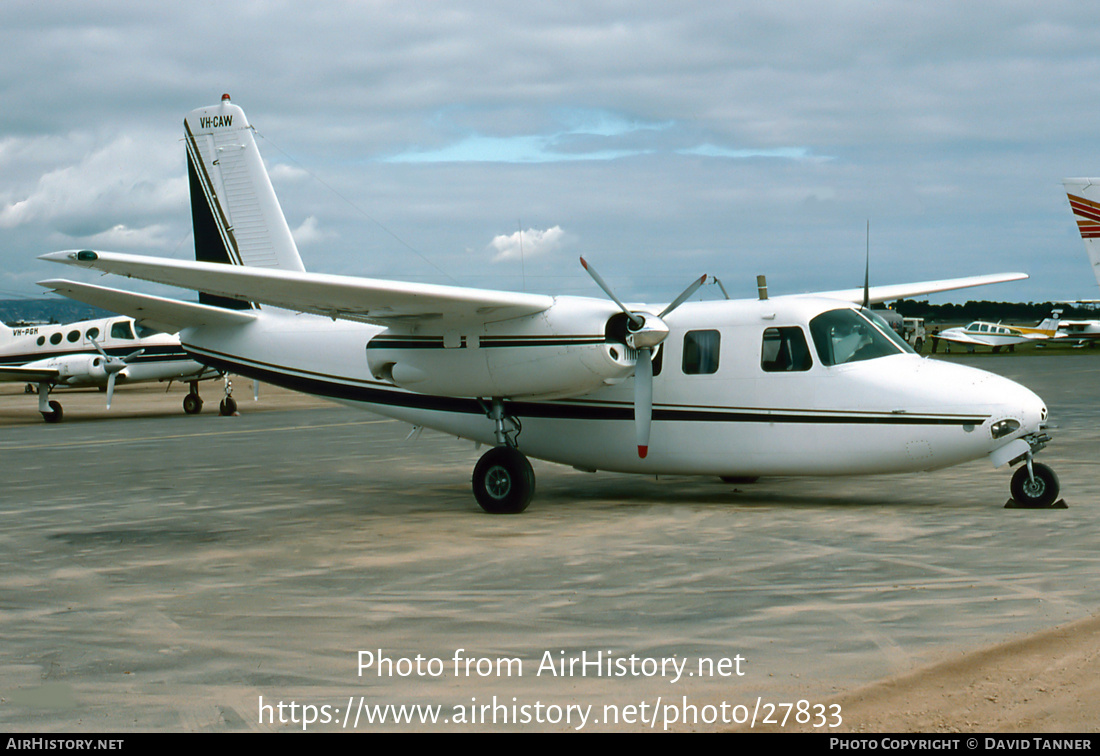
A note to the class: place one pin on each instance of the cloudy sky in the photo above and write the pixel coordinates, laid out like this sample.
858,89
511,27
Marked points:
493,143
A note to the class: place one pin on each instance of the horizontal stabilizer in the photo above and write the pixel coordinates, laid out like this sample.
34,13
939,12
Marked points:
904,291
347,297
159,313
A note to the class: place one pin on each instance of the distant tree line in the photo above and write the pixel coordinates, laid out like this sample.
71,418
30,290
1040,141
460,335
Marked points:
1012,312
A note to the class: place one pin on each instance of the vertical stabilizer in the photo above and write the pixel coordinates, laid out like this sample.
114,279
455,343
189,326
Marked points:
1084,200
236,216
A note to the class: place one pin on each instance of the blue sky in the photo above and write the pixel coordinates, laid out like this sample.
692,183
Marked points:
424,141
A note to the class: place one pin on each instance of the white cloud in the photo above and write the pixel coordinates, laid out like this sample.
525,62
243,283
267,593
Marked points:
122,179
122,237
527,244
308,232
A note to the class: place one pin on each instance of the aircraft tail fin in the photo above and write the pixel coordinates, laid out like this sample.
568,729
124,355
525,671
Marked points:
1084,200
1051,323
235,214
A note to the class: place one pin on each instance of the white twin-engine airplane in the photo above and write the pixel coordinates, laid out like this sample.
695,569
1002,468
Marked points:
793,385
95,353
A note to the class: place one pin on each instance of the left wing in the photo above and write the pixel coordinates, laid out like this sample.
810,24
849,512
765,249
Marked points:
167,315
904,291
363,299
28,374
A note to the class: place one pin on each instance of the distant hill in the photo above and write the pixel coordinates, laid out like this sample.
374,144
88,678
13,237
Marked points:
48,311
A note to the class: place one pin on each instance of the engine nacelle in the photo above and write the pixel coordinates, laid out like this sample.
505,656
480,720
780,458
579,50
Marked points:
563,351
77,369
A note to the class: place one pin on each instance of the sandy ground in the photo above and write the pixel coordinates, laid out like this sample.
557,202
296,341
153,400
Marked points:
162,572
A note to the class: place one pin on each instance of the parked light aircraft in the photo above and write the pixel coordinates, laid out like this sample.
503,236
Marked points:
1084,201
792,385
997,335
98,353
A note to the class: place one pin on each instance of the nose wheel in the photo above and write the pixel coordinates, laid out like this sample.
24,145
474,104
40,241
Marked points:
1034,486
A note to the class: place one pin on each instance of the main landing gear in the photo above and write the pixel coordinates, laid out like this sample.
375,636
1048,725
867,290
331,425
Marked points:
50,409
192,403
503,480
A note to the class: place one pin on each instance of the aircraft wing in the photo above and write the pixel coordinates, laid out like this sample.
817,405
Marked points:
27,374
168,315
347,297
904,291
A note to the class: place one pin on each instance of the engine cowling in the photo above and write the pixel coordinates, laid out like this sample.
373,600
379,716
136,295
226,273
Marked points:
77,369
563,351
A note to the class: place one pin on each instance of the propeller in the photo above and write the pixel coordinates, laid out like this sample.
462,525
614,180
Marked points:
645,332
113,366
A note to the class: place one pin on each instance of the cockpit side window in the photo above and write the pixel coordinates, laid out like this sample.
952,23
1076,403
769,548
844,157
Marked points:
121,330
843,336
701,350
785,350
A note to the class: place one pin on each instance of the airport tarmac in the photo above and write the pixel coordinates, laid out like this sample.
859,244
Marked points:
163,572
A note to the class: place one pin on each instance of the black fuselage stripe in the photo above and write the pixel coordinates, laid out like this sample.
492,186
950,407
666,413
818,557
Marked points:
372,394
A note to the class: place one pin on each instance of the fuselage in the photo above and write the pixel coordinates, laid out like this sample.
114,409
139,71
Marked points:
772,387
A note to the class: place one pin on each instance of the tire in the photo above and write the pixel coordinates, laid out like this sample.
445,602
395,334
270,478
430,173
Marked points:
192,404
503,481
918,346
227,407
1038,494
54,416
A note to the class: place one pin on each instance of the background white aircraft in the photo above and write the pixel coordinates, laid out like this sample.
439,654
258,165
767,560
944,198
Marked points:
997,335
97,353
733,388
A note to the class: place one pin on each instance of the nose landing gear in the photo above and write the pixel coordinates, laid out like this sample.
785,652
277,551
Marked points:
1034,485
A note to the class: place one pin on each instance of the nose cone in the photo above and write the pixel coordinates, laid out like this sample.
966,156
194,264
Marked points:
1008,409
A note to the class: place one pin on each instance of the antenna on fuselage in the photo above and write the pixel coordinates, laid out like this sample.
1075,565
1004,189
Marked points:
867,270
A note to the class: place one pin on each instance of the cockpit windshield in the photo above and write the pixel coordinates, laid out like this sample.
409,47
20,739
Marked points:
847,335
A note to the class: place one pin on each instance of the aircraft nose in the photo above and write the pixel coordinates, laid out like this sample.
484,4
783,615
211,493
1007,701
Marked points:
1014,409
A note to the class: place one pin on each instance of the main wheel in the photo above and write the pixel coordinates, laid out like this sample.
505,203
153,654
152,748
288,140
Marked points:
192,404
227,406
55,415
503,481
1038,493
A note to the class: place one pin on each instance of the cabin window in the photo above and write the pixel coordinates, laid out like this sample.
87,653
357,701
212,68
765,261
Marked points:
93,333
41,340
55,339
73,336
701,352
784,350
122,330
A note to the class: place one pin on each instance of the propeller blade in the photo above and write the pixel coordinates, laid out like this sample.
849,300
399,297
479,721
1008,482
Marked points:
687,293
643,400
111,388
607,290
100,349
